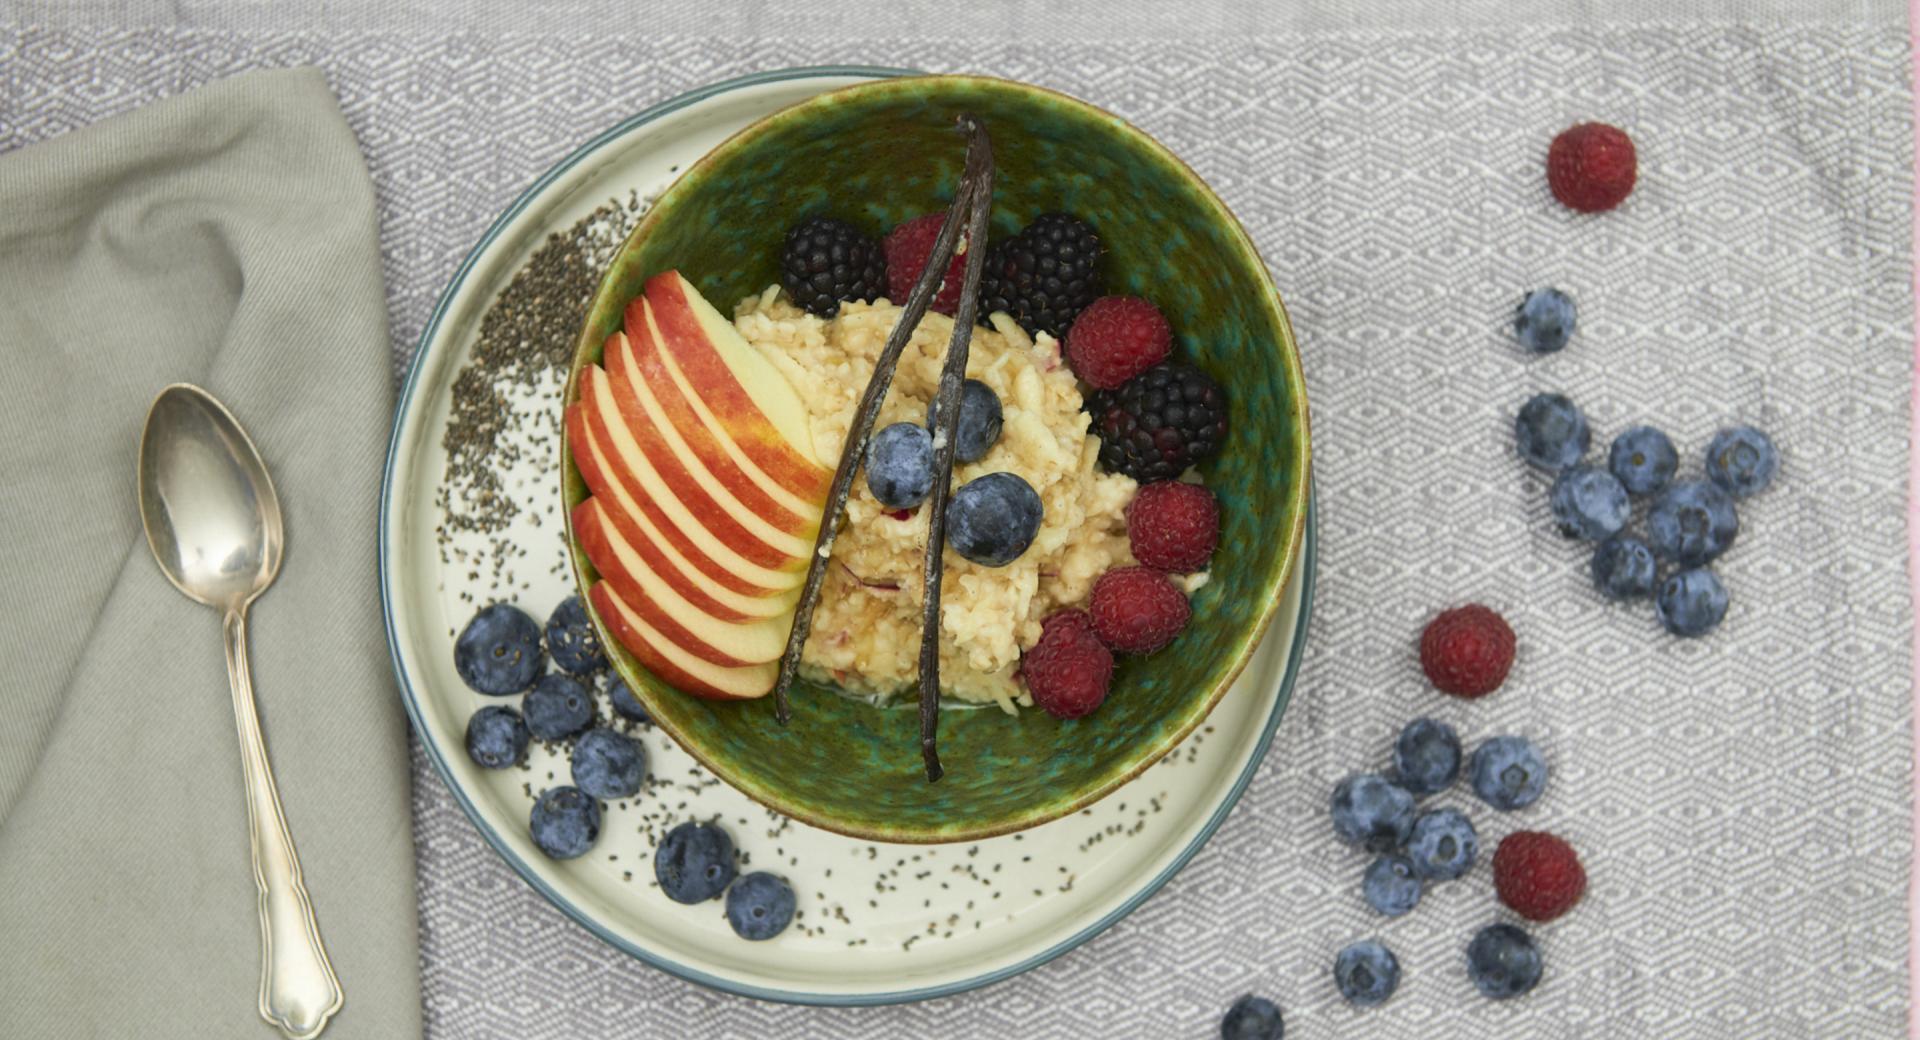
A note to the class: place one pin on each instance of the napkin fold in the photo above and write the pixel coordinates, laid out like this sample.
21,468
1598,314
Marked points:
227,238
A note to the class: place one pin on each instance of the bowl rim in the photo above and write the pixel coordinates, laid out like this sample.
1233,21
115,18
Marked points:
1272,590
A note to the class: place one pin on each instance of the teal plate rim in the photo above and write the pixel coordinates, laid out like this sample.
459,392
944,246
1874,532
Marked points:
436,755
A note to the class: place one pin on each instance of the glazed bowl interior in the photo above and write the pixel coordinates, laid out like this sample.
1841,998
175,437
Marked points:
880,153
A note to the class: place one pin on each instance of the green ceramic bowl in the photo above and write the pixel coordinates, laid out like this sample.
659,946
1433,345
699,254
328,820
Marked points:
879,153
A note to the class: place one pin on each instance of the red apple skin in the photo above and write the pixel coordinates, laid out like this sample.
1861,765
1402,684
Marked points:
631,364
629,587
603,600
703,367
599,534
580,434
716,518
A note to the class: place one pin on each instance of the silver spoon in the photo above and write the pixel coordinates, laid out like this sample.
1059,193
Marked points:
213,523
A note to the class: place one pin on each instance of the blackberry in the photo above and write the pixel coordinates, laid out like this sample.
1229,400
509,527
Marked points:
1159,422
1044,276
826,262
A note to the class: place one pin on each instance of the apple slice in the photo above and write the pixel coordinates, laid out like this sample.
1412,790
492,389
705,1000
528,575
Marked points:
603,537
699,633
717,535
674,666
735,392
642,521
642,385
730,522
703,478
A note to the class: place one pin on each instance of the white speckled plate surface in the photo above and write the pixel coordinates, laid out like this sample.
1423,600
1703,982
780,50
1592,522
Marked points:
876,923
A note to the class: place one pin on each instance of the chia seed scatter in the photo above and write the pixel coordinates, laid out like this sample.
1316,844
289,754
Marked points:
524,346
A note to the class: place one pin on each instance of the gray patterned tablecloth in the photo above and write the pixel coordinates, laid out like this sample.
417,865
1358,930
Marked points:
1742,801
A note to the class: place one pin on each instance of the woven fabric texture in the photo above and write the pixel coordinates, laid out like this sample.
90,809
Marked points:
1741,801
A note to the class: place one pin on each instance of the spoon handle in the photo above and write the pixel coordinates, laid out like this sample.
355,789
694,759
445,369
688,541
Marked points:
298,990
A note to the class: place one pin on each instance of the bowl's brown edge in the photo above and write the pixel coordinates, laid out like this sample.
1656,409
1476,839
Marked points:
1300,457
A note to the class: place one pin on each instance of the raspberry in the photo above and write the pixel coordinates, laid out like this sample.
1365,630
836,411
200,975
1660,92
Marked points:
1115,339
1538,875
1136,610
1591,167
1067,671
1467,651
908,247
1173,526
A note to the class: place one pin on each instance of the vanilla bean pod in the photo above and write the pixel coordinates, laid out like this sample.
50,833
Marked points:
947,408
853,451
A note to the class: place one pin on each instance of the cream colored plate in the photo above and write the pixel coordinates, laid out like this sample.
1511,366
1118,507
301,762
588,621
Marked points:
878,923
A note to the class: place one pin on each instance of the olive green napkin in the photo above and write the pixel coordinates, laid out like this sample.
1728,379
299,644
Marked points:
226,238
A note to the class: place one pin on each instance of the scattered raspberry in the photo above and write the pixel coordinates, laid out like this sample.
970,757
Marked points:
907,248
1538,875
1067,671
1591,167
900,514
1115,339
1466,651
1136,610
1173,525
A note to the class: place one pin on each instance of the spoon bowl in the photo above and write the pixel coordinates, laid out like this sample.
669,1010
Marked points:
211,515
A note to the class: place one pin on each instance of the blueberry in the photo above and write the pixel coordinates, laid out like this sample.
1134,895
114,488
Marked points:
571,641
1742,461
1508,772
694,862
1426,758
1391,886
1544,320
1366,973
1372,812
1503,962
1623,568
609,765
496,737
1691,603
625,702
1643,459
1252,1018
900,465
1443,844
980,419
557,707
1589,503
498,653
564,822
992,519
1550,432
1692,522
759,906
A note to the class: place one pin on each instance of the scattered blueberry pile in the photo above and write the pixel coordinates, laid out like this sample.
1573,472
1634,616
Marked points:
1689,522
1415,848
1466,652
500,654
